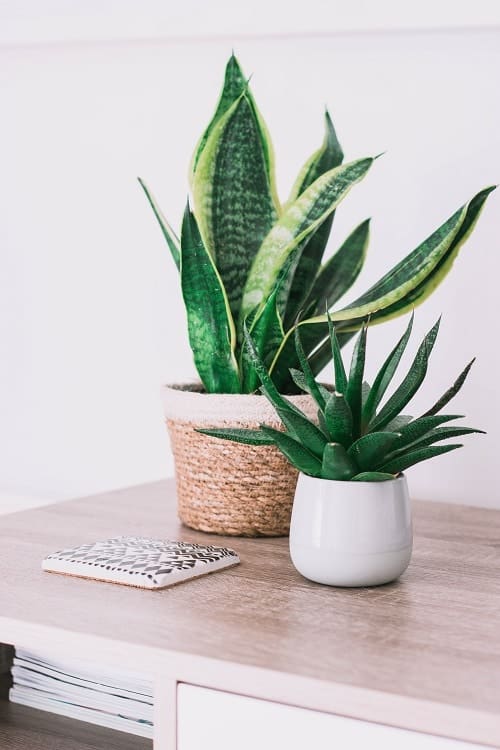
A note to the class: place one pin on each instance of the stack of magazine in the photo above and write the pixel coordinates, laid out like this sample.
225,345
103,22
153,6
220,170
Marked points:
111,698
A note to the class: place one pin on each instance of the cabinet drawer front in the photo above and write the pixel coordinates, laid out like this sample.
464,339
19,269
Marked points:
224,721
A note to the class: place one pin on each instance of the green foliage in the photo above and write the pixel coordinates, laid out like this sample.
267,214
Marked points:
260,265
352,440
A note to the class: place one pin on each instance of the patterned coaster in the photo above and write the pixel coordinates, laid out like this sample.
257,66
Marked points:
139,561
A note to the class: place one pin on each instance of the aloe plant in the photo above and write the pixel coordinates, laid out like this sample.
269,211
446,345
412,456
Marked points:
355,437
246,260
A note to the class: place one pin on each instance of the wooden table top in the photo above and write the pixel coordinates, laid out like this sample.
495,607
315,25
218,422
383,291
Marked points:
424,650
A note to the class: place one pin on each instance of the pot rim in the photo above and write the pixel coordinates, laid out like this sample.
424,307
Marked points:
401,477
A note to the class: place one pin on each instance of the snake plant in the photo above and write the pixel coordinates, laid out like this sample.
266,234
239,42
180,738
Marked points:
245,259
355,438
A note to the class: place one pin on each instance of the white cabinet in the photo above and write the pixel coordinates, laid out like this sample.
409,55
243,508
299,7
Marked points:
214,719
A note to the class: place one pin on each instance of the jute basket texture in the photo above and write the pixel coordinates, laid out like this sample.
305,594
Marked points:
224,487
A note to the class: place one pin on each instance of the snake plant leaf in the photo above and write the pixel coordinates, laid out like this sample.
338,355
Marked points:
298,456
372,476
411,383
354,390
329,156
234,85
210,325
297,223
451,392
169,234
340,272
399,464
312,387
338,419
336,463
419,427
385,375
233,197
412,280
369,450
237,435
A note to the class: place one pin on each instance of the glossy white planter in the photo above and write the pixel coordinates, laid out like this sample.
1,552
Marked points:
351,533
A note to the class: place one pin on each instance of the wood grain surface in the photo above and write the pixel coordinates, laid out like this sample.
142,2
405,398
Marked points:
23,728
421,653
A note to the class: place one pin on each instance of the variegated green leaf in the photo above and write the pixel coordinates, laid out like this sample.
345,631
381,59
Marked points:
410,384
298,456
233,194
210,325
329,156
336,463
234,85
237,435
297,223
412,280
169,234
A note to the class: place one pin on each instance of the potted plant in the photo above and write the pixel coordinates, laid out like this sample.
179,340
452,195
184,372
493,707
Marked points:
244,259
351,520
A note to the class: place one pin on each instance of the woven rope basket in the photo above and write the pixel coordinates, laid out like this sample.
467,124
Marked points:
225,487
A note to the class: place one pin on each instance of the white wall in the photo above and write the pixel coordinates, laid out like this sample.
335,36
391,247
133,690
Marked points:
91,320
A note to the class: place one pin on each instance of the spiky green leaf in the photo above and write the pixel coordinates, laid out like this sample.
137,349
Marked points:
385,375
438,434
339,373
298,456
237,435
372,476
312,386
397,424
169,234
338,418
210,325
410,385
354,390
397,465
419,427
297,223
370,450
336,463
451,392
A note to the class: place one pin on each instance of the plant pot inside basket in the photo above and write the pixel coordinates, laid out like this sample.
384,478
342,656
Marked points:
225,487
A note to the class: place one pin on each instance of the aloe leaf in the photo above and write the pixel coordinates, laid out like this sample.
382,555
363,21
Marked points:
298,456
234,202
397,424
304,430
169,234
441,433
336,463
410,385
302,384
338,419
296,224
312,386
236,435
340,272
385,375
421,426
412,280
370,450
372,476
354,390
234,85
451,392
210,325
399,464
339,373
322,355
267,334
329,156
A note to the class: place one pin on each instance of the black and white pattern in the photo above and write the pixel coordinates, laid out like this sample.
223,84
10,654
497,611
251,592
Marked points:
139,561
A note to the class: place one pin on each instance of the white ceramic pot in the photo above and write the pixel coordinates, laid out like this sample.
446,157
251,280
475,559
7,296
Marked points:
351,533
